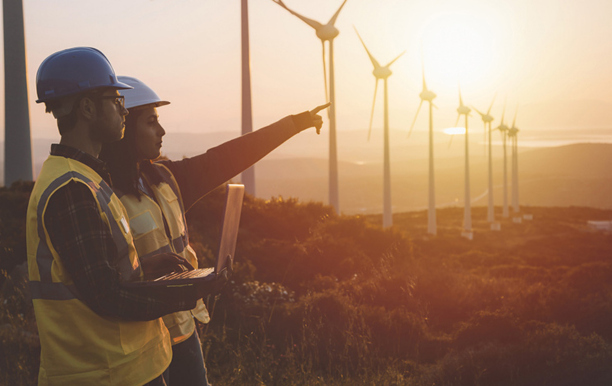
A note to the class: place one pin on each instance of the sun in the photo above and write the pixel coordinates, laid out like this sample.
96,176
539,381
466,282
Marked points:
459,47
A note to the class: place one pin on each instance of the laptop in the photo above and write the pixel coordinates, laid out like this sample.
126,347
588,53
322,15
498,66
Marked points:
225,257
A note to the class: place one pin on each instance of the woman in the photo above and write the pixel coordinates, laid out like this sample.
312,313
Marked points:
156,196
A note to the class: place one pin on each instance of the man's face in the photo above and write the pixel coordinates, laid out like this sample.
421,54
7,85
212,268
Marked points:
110,117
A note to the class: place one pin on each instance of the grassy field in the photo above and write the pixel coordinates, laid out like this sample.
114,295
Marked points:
320,299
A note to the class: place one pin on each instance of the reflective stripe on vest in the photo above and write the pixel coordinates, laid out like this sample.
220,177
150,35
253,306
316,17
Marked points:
46,288
168,178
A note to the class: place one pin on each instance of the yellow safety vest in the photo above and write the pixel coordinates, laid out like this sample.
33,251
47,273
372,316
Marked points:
147,224
78,346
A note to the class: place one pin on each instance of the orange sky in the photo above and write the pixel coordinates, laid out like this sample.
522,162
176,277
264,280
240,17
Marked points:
528,51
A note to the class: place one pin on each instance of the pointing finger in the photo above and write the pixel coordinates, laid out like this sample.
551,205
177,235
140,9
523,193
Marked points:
319,108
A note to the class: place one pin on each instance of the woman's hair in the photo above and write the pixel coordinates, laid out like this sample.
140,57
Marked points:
121,158
122,161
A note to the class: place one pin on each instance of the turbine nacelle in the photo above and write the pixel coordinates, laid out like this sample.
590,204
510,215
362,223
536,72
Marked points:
427,95
487,118
502,128
382,72
463,110
327,32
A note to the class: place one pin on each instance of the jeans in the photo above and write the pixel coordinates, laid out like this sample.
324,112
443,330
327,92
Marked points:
187,367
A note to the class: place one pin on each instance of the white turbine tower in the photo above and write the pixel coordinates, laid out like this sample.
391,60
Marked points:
428,96
503,129
17,140
467,209
248,176
487,119
327,32
383,72
513,135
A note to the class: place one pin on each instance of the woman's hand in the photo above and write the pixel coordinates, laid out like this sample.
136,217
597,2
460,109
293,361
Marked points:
316,118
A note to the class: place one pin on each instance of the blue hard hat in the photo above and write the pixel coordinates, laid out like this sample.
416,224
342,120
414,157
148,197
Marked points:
73,71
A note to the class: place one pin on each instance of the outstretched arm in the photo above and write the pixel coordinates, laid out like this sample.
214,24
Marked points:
199,175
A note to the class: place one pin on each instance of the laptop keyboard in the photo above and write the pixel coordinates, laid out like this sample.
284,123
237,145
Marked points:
201,272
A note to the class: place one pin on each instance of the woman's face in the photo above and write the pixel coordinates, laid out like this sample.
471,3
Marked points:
149,134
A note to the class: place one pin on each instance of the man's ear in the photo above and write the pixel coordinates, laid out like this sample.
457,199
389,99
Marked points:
87,108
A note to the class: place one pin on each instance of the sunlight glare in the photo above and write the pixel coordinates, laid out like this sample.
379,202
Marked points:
458,47
454,131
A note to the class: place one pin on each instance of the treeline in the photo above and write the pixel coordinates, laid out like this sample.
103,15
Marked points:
321,299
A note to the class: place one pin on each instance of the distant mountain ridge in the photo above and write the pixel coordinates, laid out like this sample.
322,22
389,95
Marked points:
577,174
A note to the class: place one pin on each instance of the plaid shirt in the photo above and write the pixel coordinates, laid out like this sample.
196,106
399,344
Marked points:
88,253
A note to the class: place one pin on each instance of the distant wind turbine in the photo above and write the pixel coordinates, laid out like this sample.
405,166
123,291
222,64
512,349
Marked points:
383,72
513,134
428,96
467,209
327,32
503,129
487,119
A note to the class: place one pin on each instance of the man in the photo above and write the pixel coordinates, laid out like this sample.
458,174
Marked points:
93,330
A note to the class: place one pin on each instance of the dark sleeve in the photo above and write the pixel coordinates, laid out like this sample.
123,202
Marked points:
198,175
88,253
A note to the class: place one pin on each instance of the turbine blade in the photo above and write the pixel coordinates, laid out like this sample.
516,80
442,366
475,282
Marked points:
415,118
423,68
313,23
460,99
515,114
490,107
451,141
478,111
372,113
457,121
374,61
504,111
398,56
333,19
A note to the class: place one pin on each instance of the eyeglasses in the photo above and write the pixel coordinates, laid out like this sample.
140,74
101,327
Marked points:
118,99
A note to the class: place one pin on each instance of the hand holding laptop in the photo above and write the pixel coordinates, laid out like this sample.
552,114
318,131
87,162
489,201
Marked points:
170,276
162,264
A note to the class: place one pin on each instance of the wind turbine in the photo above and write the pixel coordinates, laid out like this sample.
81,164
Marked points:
17,140
503,129
248,176
428,96
487,119
383,72
467,209
512,134
327,32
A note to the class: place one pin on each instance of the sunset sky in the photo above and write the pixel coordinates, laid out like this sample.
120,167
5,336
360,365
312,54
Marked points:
527,51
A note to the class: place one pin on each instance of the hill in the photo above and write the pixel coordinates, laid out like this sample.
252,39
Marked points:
574,174
321,299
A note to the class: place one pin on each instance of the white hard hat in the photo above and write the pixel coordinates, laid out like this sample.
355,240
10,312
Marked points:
140,95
